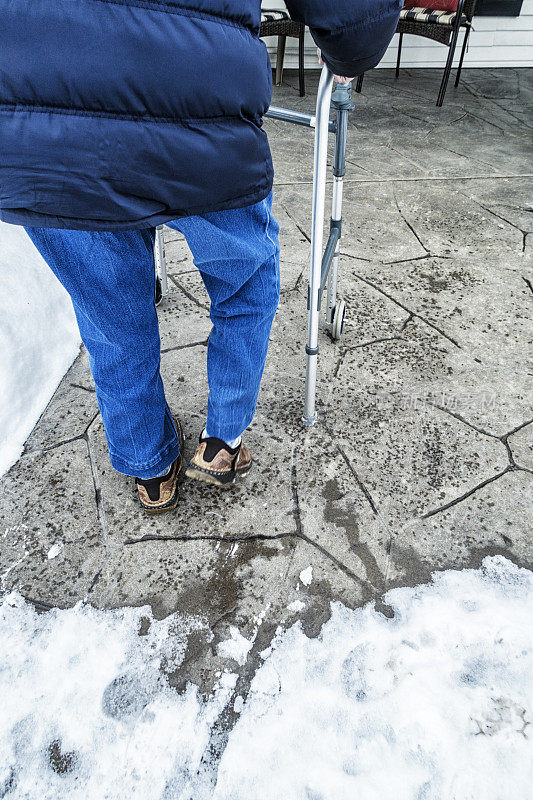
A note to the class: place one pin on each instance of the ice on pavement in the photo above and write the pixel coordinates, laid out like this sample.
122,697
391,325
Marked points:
39,339
237,647
55,550
306,576
432,704
296,606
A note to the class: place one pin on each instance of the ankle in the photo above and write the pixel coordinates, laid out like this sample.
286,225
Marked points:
232,443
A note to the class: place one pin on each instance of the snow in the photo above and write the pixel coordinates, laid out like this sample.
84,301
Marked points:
38,339
296,606
55,550
432,704
237,647
306,576
435,703
82,692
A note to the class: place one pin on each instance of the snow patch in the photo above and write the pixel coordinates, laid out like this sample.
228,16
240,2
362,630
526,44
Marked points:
296,606
55,550
236,648
39,339
433,704
306,576
86,710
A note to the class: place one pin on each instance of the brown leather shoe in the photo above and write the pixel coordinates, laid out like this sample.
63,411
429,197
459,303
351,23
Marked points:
158,495
216,463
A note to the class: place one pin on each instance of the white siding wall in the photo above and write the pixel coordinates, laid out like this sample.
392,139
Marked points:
495,42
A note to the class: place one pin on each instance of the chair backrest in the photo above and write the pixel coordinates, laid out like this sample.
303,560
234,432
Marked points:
469,8
434,5
443,5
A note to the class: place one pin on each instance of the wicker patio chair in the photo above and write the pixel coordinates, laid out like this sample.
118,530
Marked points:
279,23
441,26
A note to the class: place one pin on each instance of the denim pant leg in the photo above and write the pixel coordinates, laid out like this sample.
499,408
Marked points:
111,280
237,253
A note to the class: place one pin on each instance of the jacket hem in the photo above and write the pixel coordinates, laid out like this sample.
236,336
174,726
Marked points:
33,219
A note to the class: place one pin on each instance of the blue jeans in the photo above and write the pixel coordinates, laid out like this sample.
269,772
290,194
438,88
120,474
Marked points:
111,280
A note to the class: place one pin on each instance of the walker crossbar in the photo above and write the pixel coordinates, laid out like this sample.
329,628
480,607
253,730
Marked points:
296,117
324,265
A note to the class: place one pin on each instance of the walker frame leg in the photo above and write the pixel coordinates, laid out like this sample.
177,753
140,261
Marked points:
341,100
160,264
317,238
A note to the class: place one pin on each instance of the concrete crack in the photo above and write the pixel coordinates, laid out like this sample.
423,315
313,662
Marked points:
301,535
296,287
228,717
468,494
375,511
483,119
405,308
467,157
85,388
296,513
222,616
371,342
441,127
203,343
518,428
411,227
528,284
152,537
340,360
357,479
345,350
504,219
297,534
505,441
355,164
88,427
347,571
63,442
295,221
504,438
404,155
100,513
189,295
39,605
506,111
460,418
173,274
406,322
407,260
176,238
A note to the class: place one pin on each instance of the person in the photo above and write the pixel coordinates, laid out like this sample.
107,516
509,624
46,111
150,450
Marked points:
120,115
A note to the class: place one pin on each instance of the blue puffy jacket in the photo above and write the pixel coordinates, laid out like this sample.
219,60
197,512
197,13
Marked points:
122,114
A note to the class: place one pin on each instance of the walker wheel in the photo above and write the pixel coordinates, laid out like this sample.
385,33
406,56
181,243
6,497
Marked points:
338,319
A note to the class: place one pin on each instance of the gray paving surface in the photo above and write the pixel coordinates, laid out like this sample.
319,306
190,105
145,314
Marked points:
422,457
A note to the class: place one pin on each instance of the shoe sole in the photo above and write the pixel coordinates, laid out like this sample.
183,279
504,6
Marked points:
173,502
162,509
198,474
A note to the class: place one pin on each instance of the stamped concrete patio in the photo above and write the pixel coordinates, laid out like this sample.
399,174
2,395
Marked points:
422,456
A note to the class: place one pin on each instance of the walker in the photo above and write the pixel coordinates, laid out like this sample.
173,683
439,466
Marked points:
324,264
